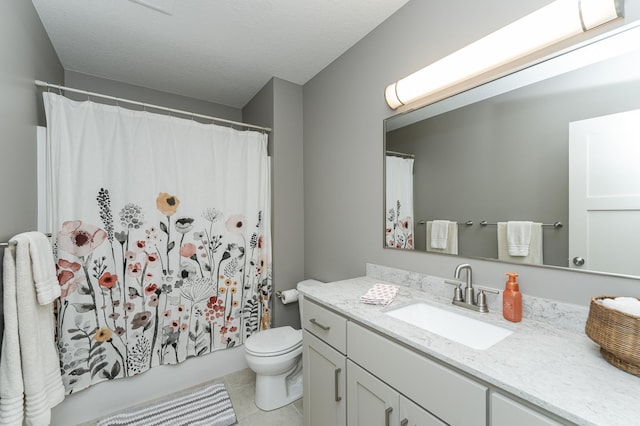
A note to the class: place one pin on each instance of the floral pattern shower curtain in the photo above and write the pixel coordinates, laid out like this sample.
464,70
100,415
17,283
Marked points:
399,202
162,237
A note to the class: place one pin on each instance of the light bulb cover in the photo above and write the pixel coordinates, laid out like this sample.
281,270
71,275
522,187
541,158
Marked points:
545,27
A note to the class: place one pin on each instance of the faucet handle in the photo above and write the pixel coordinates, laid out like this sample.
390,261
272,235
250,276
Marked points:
487,289
482,298
457,293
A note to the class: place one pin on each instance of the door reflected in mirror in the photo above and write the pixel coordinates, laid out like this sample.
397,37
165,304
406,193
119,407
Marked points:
507,158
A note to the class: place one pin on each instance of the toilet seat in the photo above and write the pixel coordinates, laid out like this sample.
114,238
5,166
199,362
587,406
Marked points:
274,342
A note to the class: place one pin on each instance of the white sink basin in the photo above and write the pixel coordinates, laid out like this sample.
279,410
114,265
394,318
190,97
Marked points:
459,328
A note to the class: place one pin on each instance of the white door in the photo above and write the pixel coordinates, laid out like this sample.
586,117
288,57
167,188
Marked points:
604,193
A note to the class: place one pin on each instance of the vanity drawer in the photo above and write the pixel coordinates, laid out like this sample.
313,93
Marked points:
504,410
325,324
454,398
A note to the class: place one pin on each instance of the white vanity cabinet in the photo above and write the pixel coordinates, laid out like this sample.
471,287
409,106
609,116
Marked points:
359,377
324,366
449,396
505,410
374,403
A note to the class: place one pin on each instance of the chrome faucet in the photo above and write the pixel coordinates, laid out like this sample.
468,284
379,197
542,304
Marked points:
469,296
468,301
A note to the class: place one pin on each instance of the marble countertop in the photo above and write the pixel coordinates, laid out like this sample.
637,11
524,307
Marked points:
554,368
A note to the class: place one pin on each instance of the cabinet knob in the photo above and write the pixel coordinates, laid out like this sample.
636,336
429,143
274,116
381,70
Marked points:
578,261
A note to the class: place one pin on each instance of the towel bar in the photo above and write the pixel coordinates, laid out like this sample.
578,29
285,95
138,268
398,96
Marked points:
467,223
6,244
554,224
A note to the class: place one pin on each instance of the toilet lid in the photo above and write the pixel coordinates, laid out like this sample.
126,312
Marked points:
274,341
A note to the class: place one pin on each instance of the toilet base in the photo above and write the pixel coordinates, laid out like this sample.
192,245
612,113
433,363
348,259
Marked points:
277,391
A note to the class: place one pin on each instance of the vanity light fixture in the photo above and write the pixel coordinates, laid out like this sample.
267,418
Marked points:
551,24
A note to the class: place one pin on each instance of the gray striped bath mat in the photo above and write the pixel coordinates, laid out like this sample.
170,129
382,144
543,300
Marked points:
209,405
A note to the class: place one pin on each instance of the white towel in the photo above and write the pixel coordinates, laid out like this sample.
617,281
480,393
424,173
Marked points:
30,379
44,268
439,234
628,305
451,238
534,255
518,238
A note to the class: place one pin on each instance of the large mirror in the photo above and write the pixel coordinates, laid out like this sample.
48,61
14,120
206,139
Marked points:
556,144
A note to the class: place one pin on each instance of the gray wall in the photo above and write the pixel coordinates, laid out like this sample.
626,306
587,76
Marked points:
142,94
27,55
279,106
506,158
344,109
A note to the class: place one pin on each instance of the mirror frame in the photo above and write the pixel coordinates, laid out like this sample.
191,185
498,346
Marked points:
617,42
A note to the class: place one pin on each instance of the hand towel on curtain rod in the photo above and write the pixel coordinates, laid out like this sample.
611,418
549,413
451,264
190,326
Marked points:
163,236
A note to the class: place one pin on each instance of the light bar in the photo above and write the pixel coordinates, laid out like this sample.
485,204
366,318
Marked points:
551,24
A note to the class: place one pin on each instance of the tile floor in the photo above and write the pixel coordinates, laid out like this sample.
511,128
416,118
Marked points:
241,388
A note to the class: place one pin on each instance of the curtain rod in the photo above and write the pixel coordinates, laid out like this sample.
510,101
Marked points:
145,105
400,154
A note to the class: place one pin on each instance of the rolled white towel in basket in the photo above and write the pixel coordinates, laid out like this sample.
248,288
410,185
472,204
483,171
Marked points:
628,305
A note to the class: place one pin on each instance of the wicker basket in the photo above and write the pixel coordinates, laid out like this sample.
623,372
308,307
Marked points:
618,335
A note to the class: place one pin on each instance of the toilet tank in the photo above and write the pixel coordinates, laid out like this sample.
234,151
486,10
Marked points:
300,296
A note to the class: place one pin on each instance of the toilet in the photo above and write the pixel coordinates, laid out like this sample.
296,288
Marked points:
275,355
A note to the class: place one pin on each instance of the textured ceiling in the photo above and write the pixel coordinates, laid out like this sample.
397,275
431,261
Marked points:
222,51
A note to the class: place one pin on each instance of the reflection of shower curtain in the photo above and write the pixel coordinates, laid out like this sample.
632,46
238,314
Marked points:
399,202
162,238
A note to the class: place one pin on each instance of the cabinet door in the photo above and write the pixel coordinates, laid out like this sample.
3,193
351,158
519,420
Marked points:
411,414
324,371
371,401
507,412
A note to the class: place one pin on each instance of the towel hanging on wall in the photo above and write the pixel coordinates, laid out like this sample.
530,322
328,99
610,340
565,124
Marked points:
451,242
439,233
518,237
535,247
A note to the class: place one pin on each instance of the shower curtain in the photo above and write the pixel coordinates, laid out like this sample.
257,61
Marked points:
162,238
399,202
